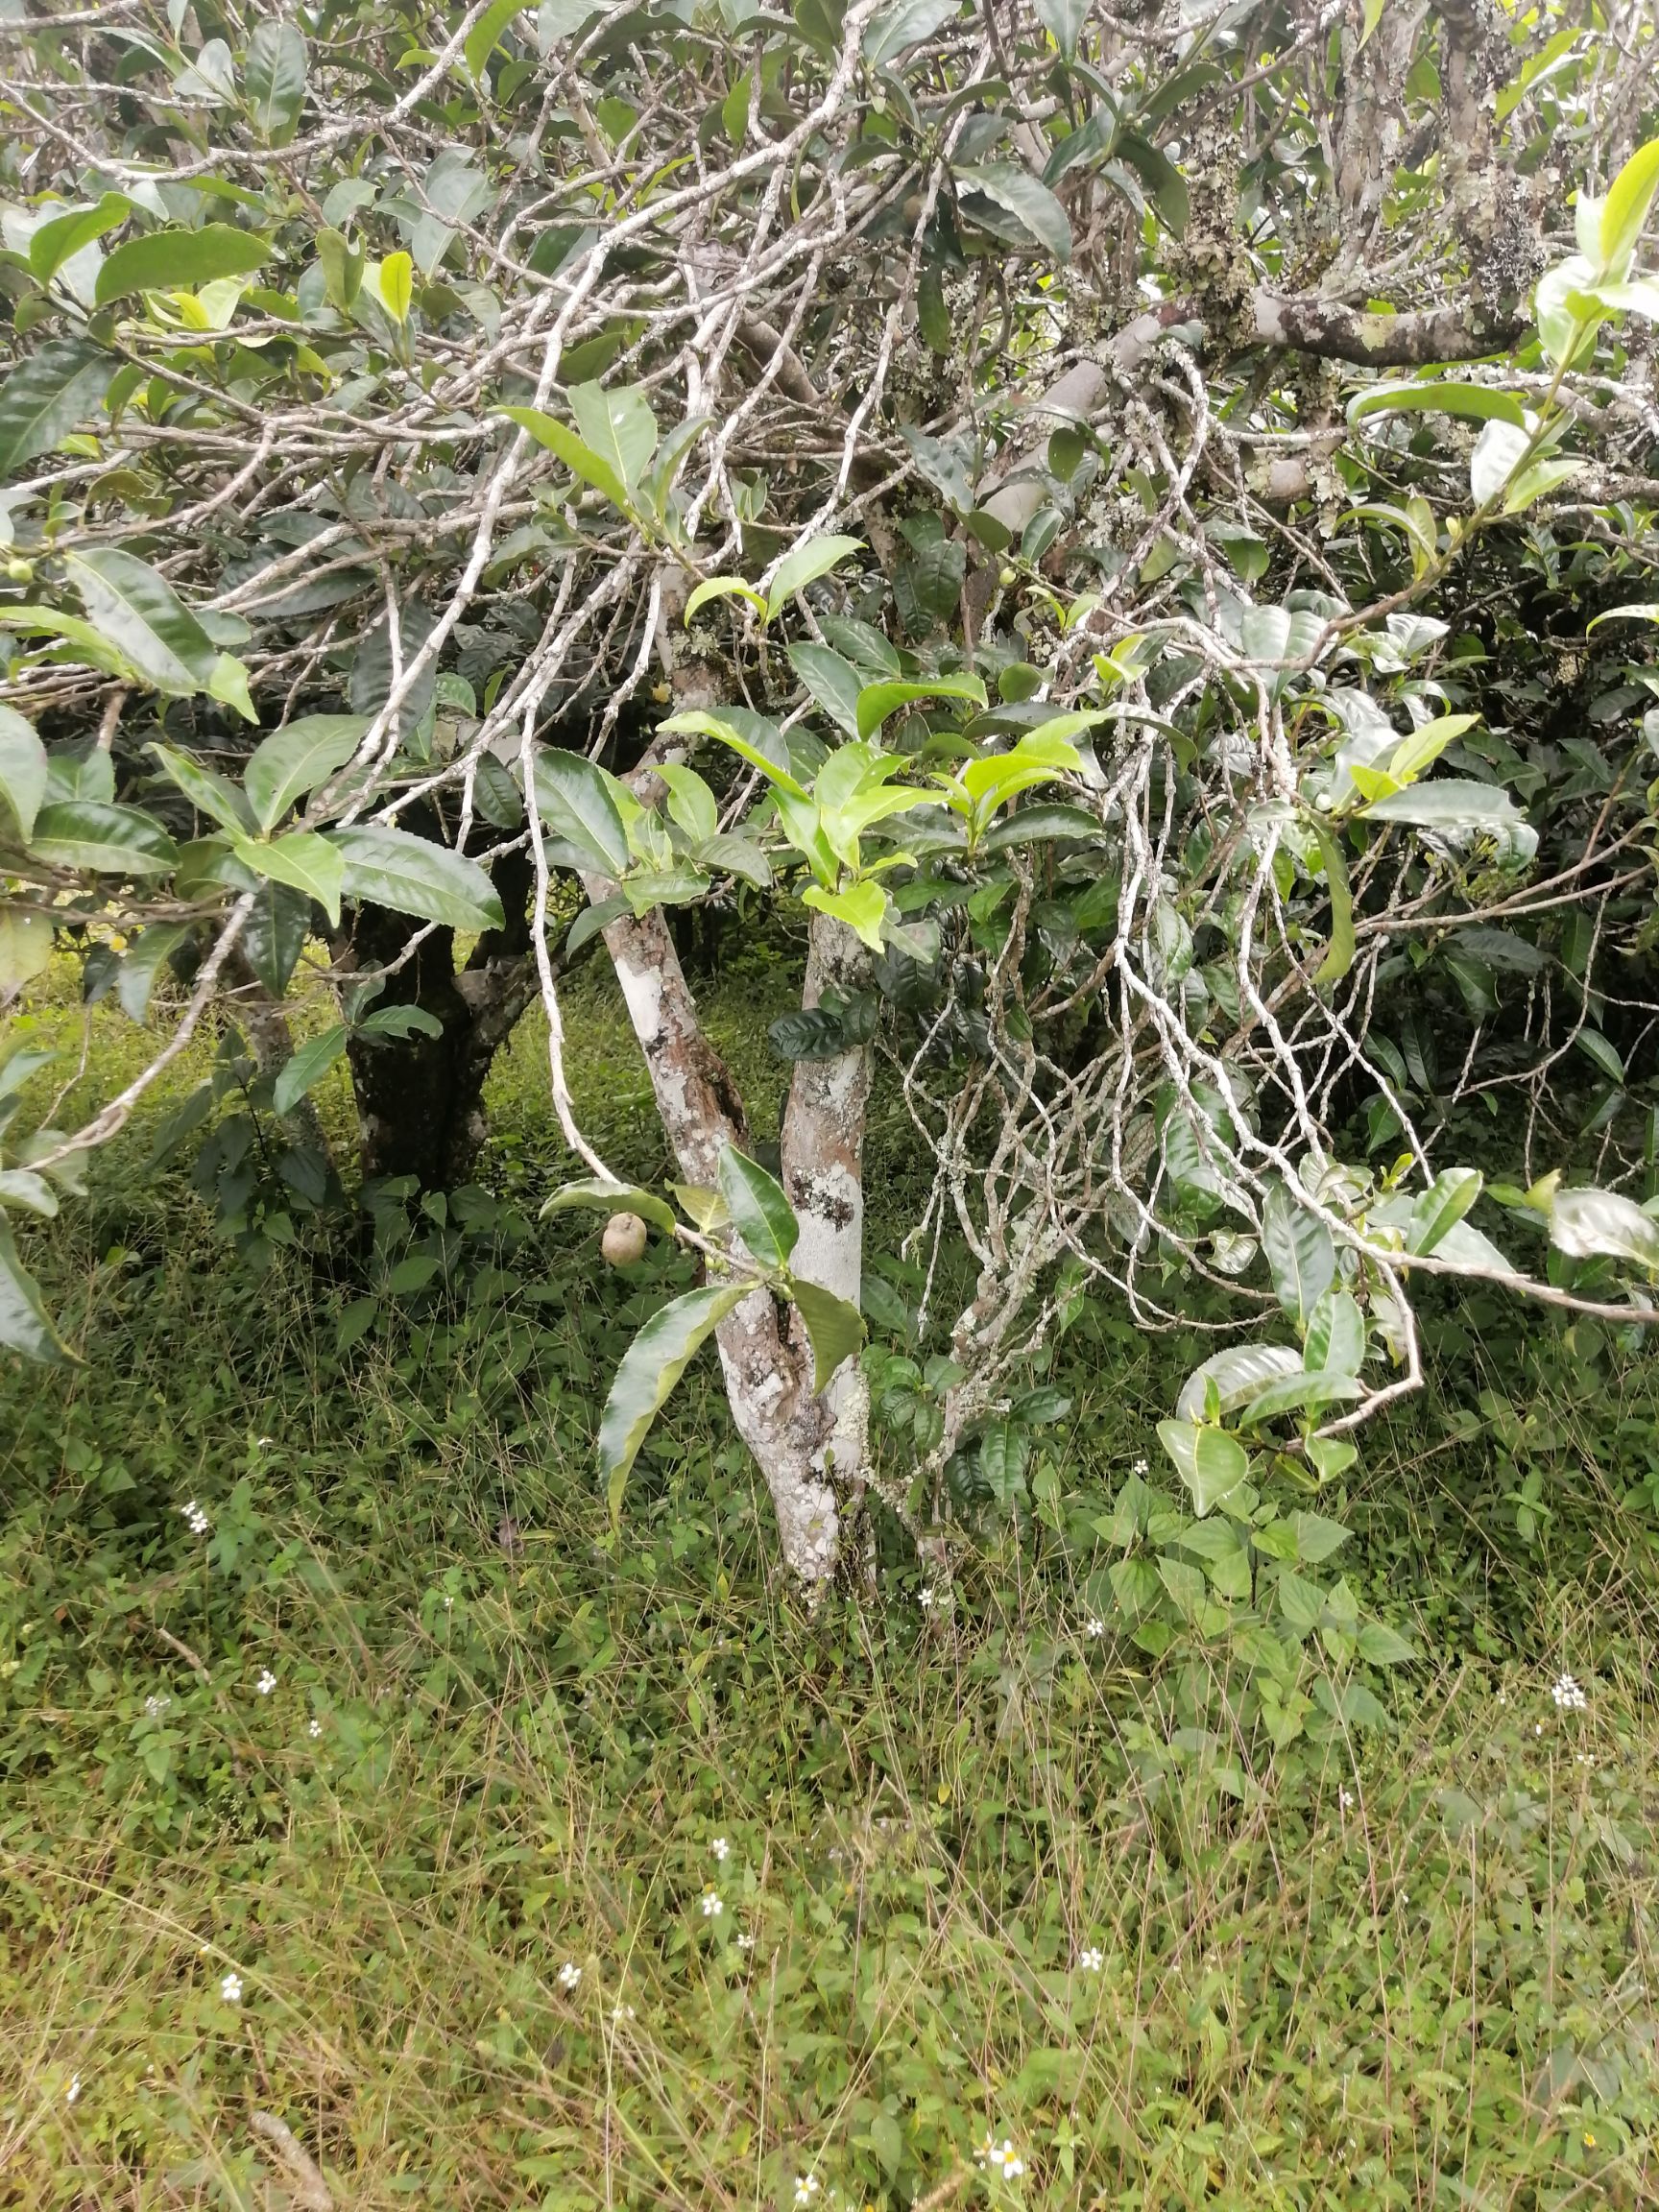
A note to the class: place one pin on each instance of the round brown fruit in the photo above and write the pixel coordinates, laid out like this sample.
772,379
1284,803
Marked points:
624,1240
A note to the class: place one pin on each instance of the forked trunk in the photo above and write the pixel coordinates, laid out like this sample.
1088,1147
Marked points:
811,1449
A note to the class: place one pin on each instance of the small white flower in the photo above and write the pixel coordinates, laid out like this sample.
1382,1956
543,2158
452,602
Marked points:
745,1942
1095,1626
74,2089
999,2157
230,1989
1090,1961
195,1520
806,2188
1568,1696
712,1906
156,1705
1345,1798
569,1974
263,1443
266,1683
621,2012
1139,1467
1537,1727
721,1849
448,1601
928,1599
1583,1759
314,1730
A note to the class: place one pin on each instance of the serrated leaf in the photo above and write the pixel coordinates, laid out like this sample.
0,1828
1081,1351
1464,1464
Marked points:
1025,197
1625,209
760,1212
575,804
1210,1462
308,1068
1238,1373
617,423
722,588
144,619
64,236
1440,1208
395,282
274,80
862,906
1301,1257
168,260
297,759
804,564
412,875
273,934
1004,1454
25,946
207,791
878,700
650,1367
1064,21
691,804
110,840
303,860
1297,1393
1336,1335
400,1021
46,395
834,1327
579,458
1452,804
23,773
1497,454
143,963
833,682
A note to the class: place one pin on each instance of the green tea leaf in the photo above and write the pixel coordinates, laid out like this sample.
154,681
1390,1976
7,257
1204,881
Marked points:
650,1366
761,1214
169,261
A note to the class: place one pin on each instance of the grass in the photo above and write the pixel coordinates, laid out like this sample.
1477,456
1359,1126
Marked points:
1405,1967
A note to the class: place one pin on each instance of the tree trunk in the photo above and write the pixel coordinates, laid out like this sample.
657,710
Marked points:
420,1099
812,1451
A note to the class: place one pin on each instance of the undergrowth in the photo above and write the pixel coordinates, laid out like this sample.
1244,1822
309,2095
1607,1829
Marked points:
516,1862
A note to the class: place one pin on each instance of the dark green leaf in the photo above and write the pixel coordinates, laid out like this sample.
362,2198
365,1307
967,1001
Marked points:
46,395
412,875
113,840
298,758
167,260
575,805
61,238
141,615
273,934
1025,197
761,1214
308,1068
